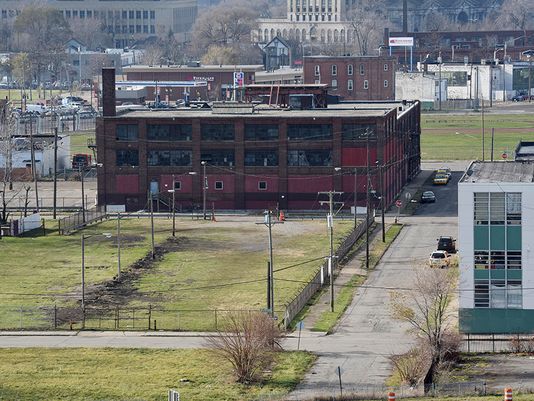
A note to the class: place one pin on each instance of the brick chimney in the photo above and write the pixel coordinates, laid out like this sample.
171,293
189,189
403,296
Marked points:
108,92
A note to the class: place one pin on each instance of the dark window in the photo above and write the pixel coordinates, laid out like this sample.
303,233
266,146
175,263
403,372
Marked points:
217,132
311,132
309,158
126,132
128,157
138,14
481,260
218,157
74,13
125,14
145,28
67,13
177,185
82,13
356,132
152,29
131,14
481,294
497,259
261,132
169,132
262,185
138,28
261,158
169,157
219,185
152,14
89,14
145,14
132,29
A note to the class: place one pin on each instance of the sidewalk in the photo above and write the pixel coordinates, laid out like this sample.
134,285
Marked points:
356,265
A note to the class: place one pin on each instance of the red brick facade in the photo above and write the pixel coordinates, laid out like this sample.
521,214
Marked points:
363,78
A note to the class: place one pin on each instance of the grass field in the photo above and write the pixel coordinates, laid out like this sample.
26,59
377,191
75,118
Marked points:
212,266
15,94
136,374
78,142
459,137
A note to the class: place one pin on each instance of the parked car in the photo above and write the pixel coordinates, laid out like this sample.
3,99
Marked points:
444,170
428,197
440,179
439,259
520,97
447,244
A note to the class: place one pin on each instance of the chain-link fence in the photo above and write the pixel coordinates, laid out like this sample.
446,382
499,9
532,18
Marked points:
66,121
80,219
142,318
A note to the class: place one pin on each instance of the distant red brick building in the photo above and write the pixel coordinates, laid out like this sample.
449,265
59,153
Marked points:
353,78
219,78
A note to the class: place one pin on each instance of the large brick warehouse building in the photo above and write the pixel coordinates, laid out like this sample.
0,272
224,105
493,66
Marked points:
255,157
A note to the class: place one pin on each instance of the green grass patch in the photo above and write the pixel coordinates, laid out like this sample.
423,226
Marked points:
78,142
216,267
136,374
15,94
459,137
343,299
379,247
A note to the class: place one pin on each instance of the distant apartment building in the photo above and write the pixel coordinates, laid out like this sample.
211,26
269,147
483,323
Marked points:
496,238
353,78
127,21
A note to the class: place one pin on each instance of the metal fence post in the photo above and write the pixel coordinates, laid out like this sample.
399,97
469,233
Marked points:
149,315
133,318
216,326
55,316
21,317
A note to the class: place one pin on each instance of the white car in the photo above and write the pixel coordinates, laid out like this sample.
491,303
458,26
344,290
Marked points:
439,259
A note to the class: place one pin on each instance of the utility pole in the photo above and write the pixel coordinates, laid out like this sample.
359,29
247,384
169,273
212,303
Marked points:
440,88
83,192
382,203
269,222
204,188
55,173
152,223
34,173
330,221
355,197
483,131
83,272
118,245
367,189
173,206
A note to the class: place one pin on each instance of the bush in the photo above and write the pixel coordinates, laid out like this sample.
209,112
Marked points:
413,365
248,343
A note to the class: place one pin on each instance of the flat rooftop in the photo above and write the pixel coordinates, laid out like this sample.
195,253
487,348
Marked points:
334,110
524,151
494,172
186,68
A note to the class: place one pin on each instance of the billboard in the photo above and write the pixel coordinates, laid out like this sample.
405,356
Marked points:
239,79
401,41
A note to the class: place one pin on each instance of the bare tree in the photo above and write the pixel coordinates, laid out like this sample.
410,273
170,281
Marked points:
153,55
368,21
412,365
92,33
224,25
248,342
7,128
425,309
515,14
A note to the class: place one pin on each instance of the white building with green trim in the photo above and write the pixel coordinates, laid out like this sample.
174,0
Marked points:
496,242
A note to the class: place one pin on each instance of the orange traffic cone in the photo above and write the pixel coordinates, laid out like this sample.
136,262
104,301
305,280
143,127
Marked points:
282,216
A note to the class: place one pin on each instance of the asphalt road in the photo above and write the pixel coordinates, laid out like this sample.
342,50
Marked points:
368,334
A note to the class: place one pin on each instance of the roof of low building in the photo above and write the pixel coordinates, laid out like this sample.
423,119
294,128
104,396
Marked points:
188,68
496,172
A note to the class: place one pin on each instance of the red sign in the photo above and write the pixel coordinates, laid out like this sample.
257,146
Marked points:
398,203
505,155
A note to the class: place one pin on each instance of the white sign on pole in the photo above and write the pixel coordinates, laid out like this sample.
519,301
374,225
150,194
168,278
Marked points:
401,41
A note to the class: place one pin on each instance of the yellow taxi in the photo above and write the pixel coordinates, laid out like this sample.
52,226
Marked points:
441,179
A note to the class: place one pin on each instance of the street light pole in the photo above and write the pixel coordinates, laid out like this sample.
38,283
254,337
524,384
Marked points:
440,88
204,188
